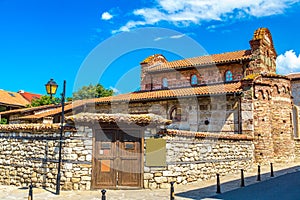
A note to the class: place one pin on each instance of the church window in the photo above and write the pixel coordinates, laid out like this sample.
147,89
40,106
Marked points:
194,79
175,114
228,76
164,83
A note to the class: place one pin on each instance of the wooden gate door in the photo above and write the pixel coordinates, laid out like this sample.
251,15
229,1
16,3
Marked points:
117,159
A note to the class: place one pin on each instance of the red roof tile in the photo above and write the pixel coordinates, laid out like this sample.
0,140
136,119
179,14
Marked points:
174,93
203,60
23,110
294,76
29,96
149,95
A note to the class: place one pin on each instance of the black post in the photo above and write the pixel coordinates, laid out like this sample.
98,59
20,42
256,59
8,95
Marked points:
242,178
272,172
172,194
30,195
218,184
60,138
103,194
258,173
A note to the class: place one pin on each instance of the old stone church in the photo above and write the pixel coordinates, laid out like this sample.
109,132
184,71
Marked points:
191,119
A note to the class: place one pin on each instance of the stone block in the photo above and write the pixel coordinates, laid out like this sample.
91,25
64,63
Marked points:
68,174
164,185
75,186
148,176
161,179
86,178
67,186
158,174
75,180
88,157
146,184
153,185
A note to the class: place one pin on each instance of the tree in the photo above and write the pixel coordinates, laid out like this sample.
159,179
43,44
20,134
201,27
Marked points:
92,91
44,100
3,121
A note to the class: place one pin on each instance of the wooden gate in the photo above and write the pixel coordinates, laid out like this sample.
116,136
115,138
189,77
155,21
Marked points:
117,160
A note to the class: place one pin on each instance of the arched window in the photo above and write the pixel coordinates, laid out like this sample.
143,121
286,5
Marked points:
194,79
164,83
175,114
228,76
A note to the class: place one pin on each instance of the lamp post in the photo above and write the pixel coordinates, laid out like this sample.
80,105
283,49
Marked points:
51,88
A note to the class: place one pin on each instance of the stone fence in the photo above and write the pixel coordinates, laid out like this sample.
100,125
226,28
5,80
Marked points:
29,153
194,157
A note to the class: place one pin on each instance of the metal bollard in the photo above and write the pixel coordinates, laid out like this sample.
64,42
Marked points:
242,178
30,194
172,194
218,184
272,172
258,173
103,194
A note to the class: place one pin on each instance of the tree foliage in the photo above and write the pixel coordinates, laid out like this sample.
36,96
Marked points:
44,100
3,121
92,91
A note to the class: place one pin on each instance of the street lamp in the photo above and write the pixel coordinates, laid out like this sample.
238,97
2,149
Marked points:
51,88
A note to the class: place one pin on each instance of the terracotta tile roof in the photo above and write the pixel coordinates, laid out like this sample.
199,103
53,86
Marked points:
203,60
24,110
294,76
55,111
119,118
174,93
12,98
207,135
29,127
149,95
29,96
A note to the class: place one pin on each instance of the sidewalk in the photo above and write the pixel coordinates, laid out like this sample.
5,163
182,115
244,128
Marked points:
200,190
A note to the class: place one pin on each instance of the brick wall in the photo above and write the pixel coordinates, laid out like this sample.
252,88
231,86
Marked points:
273,126
205,75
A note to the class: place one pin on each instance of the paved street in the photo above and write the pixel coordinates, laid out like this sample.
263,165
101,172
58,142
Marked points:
285,185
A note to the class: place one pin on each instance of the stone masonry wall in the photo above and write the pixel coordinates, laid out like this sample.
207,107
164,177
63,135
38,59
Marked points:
27,157
220,111
295,87
297,149
191,159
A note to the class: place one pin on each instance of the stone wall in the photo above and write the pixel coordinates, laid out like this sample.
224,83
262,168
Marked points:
297,149
218,113
296,91
192,157
32,156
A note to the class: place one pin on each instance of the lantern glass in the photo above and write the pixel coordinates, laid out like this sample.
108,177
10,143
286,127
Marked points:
51,87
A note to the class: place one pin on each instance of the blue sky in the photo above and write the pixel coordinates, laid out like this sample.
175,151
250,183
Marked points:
98,40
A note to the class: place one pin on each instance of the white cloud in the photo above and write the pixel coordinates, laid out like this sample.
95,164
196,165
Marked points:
184,12
169,37
106,16
288,62
115,90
